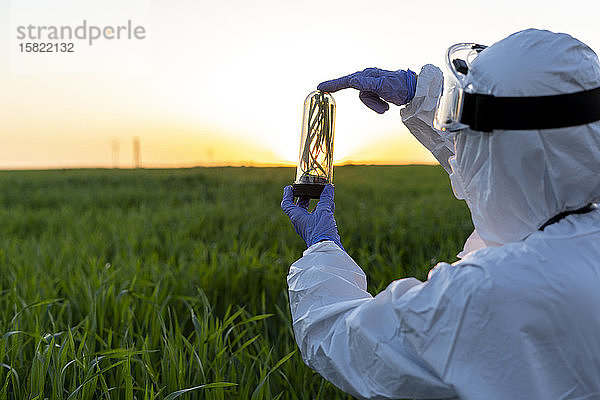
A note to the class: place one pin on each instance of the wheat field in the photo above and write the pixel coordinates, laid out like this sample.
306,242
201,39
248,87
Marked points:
165,284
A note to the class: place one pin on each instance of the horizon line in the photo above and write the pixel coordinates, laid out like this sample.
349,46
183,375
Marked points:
206,165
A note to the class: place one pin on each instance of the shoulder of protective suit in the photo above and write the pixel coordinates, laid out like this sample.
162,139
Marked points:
475,286
504,269
492,258
481,268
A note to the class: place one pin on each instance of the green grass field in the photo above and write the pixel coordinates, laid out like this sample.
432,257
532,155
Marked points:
164,284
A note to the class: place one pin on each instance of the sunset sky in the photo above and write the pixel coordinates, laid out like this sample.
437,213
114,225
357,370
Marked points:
223,82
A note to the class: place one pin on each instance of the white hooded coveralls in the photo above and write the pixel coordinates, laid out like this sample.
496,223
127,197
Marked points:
519,316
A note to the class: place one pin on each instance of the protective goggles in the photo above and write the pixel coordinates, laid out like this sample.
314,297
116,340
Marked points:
460,108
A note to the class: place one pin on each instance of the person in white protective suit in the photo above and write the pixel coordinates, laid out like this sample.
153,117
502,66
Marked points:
518,317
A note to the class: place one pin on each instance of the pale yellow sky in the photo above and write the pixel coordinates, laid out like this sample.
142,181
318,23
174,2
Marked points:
224,82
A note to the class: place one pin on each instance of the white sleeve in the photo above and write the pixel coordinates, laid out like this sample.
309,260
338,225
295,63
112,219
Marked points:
351,338
418,117
419,113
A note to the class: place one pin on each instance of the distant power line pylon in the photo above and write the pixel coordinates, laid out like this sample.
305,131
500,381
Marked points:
114,144
136,152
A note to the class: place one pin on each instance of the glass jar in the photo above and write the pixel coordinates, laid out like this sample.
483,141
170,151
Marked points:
315,163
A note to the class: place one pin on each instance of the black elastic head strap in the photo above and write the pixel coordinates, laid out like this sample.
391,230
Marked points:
558,217
486,112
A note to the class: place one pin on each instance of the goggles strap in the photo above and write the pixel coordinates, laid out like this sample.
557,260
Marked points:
486,112
556,218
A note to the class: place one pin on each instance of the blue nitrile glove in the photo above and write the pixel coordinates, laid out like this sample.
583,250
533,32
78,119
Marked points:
397,87
314,226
